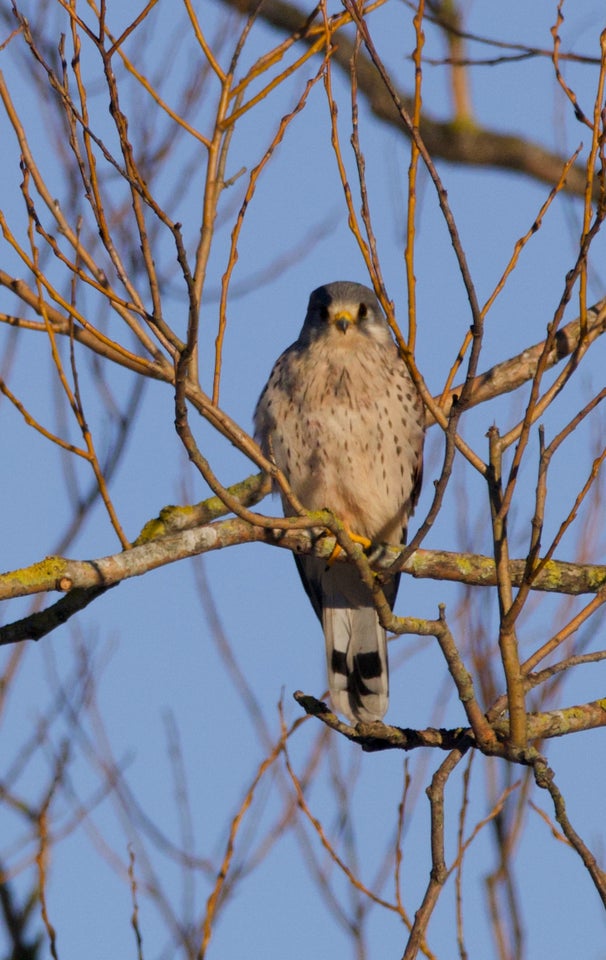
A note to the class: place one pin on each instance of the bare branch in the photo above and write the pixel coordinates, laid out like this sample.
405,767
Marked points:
465,143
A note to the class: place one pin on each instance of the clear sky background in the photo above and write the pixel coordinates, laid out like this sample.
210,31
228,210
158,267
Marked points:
150,640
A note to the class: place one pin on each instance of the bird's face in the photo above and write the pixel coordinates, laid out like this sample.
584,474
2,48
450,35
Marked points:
345,314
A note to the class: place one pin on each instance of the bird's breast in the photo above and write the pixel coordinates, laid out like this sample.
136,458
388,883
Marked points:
348,436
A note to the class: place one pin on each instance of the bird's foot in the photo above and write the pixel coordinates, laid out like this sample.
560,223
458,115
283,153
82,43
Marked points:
356,537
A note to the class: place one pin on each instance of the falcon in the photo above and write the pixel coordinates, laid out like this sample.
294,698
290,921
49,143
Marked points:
342,419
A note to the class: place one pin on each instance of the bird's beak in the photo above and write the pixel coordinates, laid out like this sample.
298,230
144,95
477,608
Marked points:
343,320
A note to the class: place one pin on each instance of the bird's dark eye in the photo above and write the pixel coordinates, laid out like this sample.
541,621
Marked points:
323,311
362,311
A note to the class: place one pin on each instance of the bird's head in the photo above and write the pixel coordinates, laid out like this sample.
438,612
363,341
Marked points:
341,309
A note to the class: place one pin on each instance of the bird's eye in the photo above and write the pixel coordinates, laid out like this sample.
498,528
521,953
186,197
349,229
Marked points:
323,312
362,311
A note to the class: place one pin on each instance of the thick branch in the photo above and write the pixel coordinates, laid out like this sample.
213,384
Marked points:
84,580
43,622
377,736
61,573
513,373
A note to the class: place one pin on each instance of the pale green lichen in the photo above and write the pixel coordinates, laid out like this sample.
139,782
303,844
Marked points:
596,579
468,566
41,572
551,575
166,522
173,519
151,531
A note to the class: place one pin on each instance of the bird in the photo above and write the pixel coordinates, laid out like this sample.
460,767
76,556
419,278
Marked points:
341,417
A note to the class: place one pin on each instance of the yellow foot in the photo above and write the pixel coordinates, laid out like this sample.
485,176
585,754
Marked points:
356,537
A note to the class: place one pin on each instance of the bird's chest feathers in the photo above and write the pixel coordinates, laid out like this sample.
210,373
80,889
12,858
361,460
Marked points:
336,405
342,382
332,450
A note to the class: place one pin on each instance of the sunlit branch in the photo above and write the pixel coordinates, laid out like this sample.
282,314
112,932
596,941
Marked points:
467,144
235,235
158,546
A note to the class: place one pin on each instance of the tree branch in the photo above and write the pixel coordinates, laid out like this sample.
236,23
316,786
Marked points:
376,736
84,580
510,374
503,378
464,143
544,778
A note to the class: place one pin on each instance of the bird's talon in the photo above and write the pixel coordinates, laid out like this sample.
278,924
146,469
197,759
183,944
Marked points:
336,550
356,537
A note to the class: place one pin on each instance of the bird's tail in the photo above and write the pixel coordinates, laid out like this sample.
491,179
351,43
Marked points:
356,646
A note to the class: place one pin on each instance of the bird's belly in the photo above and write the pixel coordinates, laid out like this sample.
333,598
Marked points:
346,463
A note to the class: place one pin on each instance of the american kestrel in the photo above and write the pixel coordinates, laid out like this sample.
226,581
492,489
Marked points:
342,419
